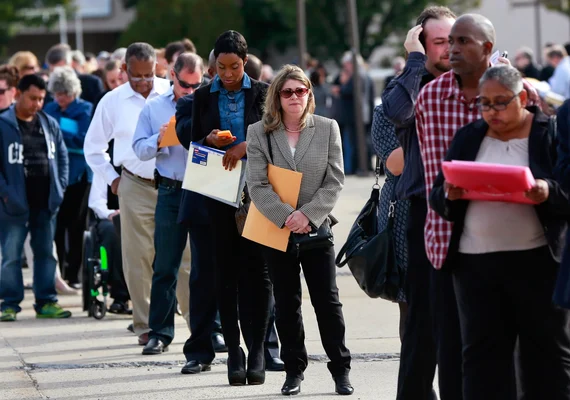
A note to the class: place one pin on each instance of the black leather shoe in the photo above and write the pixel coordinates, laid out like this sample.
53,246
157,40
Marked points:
131,328
274,364
154,346
236,367
195,367
343,386
219,343
292,386
119,307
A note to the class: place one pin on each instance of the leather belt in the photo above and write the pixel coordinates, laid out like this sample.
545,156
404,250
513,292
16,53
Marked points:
168,182
149,181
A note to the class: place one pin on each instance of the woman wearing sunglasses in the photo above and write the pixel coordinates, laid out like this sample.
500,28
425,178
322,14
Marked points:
290,136
233,101
508,254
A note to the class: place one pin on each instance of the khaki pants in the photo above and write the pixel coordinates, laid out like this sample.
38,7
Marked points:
137,201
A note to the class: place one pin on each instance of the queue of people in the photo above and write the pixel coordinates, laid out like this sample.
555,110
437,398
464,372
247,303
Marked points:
481,276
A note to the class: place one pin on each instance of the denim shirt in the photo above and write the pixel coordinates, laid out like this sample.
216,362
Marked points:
232,108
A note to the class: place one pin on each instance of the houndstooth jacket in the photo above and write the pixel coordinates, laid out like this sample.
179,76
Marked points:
318,156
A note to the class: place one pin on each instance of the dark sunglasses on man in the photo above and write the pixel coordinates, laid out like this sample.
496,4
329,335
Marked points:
187,85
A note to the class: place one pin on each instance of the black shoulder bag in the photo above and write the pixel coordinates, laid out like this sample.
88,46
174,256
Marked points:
371,255
321,237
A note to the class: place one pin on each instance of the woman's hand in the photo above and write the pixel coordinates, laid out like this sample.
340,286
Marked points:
219,142
453,192
297,222
233,155
539,193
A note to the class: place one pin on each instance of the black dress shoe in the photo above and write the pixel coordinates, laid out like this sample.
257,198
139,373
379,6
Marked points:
119,307
274,364
236,367
292,386
154,346
219,343
343,386
131,328
195,367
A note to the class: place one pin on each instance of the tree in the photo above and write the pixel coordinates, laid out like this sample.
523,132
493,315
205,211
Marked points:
201,21
12,16
271,24
562,6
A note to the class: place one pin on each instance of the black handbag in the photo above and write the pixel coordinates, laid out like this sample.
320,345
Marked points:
371,255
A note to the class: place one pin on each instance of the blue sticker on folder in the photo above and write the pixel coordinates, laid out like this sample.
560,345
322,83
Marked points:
200,157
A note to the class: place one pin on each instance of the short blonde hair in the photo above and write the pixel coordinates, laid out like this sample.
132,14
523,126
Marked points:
23,59
272,113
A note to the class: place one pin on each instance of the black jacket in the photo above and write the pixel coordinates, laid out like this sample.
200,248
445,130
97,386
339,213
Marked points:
553,213
91,88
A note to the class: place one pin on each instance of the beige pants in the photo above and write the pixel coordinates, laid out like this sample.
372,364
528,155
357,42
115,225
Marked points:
137,202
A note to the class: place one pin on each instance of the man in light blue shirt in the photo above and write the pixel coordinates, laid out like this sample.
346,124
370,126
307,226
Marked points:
170,238
560,81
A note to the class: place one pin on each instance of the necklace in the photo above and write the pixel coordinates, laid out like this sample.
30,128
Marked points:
292,130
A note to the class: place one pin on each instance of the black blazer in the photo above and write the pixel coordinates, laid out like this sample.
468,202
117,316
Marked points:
553,213
206,114
91,88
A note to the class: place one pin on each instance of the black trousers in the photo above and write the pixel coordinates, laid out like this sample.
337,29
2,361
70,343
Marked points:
108,238
431,334
271,340
71,222
320,274
502,296
238,264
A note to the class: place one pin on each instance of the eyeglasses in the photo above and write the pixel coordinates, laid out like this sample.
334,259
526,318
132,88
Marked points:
2,91
187,85
299,92
140,79
497,106
29,67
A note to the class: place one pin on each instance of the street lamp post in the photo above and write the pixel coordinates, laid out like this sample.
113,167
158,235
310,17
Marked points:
358,84
301,32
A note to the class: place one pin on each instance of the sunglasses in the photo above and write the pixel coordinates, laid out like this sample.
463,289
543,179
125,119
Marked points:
140,79
2,91
299,92
187,85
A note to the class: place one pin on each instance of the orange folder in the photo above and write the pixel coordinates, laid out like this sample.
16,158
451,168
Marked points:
170,138
287,184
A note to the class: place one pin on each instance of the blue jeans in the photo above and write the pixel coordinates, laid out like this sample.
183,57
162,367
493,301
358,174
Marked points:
169,242
41,225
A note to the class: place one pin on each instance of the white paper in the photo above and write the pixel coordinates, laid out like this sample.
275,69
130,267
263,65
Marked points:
495,58
206,175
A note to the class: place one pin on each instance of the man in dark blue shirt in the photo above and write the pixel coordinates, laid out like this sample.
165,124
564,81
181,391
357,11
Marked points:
428,57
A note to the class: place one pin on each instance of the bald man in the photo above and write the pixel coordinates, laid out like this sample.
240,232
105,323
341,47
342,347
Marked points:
212,64
445,105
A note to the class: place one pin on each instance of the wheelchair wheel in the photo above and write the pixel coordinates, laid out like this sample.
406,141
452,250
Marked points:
87,274
98,309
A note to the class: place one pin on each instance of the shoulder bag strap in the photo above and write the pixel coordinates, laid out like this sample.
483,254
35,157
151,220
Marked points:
269,146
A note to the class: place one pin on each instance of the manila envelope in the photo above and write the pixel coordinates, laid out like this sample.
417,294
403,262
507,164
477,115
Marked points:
287,185
170,138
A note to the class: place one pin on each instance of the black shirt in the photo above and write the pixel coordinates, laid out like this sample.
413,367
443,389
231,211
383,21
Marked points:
36,163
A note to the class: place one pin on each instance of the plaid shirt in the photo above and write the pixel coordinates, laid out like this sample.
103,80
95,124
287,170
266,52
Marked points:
441,109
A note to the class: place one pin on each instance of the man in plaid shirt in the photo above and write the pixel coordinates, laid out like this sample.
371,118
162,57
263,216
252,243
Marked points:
447,104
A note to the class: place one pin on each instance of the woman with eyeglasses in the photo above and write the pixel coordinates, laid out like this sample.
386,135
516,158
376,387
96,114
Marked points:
508,254
232,101
290,136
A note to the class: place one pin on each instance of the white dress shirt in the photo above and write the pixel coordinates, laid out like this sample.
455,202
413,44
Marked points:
98,200
116,118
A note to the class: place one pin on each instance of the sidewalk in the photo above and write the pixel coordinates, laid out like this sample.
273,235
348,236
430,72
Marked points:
82,358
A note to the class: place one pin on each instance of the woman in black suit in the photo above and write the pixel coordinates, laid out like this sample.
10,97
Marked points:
233,101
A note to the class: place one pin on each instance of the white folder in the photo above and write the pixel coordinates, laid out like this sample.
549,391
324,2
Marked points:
206,175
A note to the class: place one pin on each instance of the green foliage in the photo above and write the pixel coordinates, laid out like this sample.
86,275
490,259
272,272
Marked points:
562,6
201,21
11,16
271,24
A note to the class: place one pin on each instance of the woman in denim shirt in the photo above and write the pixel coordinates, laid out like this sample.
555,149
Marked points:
233,101
74,116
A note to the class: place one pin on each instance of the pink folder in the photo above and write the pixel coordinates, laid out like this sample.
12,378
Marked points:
490,182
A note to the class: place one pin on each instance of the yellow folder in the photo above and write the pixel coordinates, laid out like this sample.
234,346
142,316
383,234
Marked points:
287,185
170,138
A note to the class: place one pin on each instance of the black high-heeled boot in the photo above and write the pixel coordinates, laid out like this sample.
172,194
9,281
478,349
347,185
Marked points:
256,366
236,367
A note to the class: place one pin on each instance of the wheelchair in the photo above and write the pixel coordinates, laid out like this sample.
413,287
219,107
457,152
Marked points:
95,276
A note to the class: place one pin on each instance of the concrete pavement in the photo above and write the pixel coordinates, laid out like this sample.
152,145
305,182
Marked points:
82,358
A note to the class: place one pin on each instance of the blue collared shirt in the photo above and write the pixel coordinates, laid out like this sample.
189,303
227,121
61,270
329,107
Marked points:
170,161
232,108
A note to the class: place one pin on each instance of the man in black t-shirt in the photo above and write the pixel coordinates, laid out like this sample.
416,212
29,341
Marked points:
33,178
